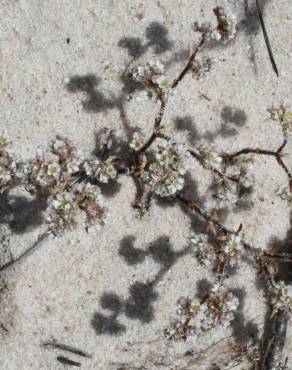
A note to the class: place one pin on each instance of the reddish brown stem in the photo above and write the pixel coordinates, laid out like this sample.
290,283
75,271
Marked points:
174,84
189,64
276,154
193,206
155,132
219,228
140,189
217,172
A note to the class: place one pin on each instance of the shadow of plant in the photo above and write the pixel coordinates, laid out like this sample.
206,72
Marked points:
156,36
242,330
95,100
138,305
19,213
187,125
251,23
231,120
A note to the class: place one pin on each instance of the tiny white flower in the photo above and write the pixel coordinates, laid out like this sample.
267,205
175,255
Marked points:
281,296
13,166
287,291
54,170
73,166
162,158
87,168
161,189
136,142
103,178
200,240
162,82
141,71
111,171
58,144
216,288
226,23
213,160
41,179
215,35
182,169
234,241
56,204
195,307
233,244
63,201
176,184
232,304
158,66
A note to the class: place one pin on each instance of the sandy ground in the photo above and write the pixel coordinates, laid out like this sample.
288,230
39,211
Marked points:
80,289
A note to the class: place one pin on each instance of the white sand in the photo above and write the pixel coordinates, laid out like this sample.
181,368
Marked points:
57,291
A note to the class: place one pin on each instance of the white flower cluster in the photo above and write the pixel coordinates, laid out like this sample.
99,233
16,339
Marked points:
153,77
55,179
230,191
225,30
150,70
103,171
210,35
60,212
91,202
67,154
204,250
165,175
284,116
213,160
197,316
281,296
63,207
200,67
232,248
226,24
8,164
43,174
209,158
226,253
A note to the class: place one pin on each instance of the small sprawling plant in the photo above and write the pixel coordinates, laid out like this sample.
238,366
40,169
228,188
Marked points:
201,314
62,180
68,184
